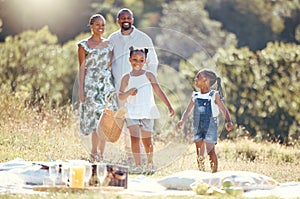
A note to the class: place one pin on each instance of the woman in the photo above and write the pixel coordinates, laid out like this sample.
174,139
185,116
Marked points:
95,82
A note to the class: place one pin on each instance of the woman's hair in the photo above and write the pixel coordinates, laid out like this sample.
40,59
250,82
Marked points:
213,79
94,17
133,50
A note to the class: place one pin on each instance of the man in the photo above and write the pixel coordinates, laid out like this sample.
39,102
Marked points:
127,36
122,40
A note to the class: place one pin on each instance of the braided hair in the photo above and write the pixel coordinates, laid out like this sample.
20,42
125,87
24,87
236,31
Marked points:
133,50
213,79
94,17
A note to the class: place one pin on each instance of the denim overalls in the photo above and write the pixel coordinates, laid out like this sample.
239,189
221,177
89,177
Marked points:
205,125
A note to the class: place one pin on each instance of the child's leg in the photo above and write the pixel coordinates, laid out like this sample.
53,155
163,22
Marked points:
200,155
135,143
212,157
147,142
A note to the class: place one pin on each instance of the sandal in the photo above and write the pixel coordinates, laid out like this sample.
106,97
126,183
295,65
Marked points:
200,161
95,157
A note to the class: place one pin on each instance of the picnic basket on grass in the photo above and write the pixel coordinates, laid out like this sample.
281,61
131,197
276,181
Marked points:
111,122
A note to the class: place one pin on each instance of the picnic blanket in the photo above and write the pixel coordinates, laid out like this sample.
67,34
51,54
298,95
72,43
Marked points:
19,176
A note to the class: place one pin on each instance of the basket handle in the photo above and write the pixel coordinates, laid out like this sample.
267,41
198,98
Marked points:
108,99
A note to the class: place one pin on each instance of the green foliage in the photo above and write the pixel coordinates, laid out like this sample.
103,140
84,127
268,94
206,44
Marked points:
146,13
262,89
279,72
256,22
35,66
192,20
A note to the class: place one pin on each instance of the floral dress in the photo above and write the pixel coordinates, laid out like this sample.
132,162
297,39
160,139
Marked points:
98,85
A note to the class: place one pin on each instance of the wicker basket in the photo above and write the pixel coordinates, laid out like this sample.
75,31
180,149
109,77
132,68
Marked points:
110,126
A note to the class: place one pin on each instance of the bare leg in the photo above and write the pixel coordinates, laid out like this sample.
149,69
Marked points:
127,138
212,157
98,145
148,145
94,143
101,146
135,143
200,155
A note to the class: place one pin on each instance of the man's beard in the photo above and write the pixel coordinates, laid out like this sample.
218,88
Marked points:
126,27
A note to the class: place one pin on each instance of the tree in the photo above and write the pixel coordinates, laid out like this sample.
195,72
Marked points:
257,22
190,20
279,72
262,89
35,66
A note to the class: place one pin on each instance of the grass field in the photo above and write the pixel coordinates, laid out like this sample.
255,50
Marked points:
37,135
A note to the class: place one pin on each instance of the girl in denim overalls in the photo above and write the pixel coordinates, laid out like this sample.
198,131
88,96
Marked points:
206,104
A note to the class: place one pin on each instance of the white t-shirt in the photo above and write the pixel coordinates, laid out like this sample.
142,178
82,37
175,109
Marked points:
121,44
214,106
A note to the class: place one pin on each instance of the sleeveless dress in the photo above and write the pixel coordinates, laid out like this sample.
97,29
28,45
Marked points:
98,85
142,105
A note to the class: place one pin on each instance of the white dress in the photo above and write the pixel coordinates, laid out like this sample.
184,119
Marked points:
142,105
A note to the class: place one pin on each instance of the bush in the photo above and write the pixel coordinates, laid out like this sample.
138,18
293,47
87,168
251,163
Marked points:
262,89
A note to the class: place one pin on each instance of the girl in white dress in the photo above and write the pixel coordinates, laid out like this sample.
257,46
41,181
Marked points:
137,89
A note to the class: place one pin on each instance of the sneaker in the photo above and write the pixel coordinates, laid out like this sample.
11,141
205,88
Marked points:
137,170
149,169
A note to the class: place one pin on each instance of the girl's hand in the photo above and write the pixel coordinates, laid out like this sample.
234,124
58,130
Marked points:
133,91
229,126
171,111
179,125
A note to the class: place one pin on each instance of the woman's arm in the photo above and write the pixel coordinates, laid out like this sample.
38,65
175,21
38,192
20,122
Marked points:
82,70
111,54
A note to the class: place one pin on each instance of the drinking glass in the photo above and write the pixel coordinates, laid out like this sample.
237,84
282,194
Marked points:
53,172
101,172
88,173
65,174
77,171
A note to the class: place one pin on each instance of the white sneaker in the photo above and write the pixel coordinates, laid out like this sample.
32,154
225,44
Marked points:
137,170
150,169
